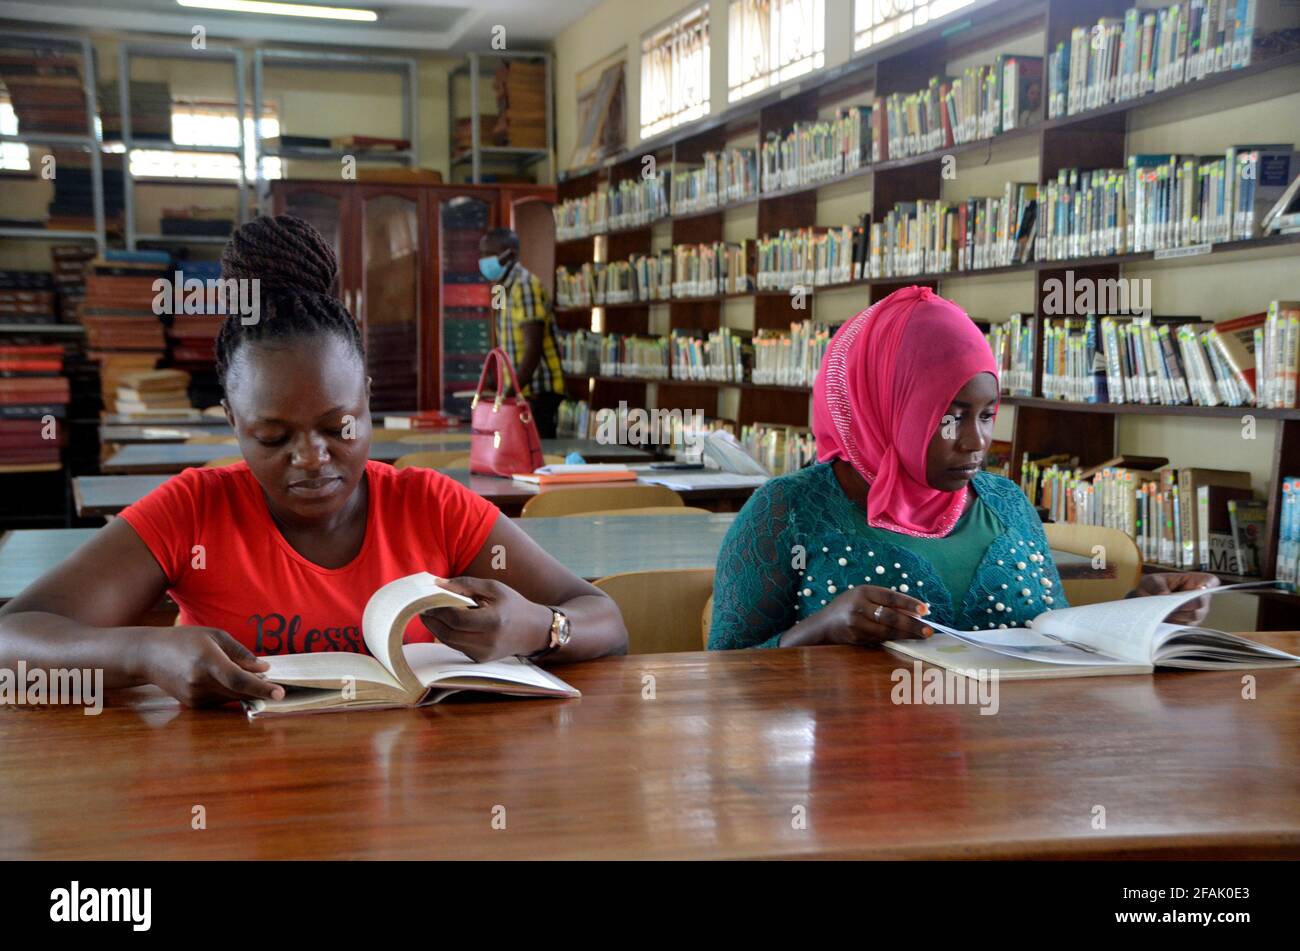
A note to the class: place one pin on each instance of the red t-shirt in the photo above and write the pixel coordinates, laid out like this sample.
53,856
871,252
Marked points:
272,599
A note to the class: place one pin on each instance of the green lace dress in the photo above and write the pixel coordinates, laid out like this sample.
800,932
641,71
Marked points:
800,541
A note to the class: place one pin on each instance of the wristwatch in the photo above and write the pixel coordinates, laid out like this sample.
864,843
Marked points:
560,634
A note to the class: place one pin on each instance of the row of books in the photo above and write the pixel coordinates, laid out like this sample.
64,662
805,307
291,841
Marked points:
780,449
1188,518
642,277
34,395
718,267
1149,50
934,236
816,151
809,257
1012,343
1160,201
1246,361
573,420
632,203
982,102
719,355
725,176
793,358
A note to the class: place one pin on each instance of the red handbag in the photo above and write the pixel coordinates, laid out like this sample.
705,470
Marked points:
503,434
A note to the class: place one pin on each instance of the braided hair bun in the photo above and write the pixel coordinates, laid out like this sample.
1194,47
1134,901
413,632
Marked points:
297,271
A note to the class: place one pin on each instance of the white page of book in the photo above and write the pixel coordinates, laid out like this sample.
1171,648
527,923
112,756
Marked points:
327,665
434,662
1028,644
390,609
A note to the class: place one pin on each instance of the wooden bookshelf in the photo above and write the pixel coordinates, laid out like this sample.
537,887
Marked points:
1095,138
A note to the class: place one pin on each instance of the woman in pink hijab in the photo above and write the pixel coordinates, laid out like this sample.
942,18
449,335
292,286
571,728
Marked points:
896,523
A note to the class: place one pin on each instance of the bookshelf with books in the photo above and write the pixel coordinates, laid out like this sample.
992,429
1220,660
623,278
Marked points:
1043,154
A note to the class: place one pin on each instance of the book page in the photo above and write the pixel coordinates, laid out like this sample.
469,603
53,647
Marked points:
1128,628
436,663
390,609
1025,644
327,666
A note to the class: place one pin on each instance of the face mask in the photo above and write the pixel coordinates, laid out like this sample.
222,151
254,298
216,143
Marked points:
491,268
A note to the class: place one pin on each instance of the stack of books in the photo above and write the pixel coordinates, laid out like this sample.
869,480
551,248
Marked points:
639,201
152,390
463,136
45,89
521,105
27,297
1150,50
643,358
34,395
790,359
70,262
151,111
124,332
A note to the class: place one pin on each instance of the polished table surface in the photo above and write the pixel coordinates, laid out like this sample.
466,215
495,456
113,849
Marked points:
141,458
743,754
109,494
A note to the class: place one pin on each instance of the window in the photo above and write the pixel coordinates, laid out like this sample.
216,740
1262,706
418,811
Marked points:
207,123
13,155
675,72
771,41
875,21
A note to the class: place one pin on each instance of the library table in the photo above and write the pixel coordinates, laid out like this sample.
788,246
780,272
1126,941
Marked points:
139,459
794,753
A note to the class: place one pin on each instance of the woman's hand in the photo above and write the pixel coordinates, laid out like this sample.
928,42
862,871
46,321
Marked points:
204,666
866,616
1169,582
505,623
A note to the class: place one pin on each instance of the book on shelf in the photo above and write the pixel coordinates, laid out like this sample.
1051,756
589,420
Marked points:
394,674
1217,549
779,448
1246,521
723,177
790,358
820,150
1129,636
1012,344
1150,50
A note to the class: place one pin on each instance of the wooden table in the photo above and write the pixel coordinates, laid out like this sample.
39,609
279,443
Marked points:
139,459
109,494
732,750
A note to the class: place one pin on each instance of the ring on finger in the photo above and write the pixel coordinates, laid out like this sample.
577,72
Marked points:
875,615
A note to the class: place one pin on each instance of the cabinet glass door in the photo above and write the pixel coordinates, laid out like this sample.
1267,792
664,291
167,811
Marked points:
320,209
388,304
466,299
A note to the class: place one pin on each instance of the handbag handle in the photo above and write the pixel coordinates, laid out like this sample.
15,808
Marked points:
502,361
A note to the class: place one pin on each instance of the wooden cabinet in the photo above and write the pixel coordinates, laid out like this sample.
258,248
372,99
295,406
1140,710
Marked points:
408,273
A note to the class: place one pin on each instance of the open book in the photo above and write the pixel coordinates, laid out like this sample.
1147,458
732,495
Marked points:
397,675
1115,637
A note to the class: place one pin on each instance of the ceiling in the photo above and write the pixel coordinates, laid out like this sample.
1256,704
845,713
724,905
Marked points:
403,24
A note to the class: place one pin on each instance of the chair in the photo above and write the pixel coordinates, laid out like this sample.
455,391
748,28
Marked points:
1121,554
578,500
647,510
706,620
222,461
660,608
212,441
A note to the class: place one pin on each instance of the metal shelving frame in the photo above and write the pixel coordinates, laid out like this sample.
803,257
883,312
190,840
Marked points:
90,141
519,157
406,67
129,51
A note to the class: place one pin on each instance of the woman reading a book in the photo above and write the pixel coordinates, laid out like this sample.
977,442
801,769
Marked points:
896,522
279,553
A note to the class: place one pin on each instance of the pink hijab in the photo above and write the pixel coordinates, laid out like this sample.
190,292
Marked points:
888,378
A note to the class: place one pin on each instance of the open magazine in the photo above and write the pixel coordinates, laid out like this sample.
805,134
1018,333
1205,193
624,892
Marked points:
1115,637
394,674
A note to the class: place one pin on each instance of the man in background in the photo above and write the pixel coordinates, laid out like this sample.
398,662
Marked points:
525,326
